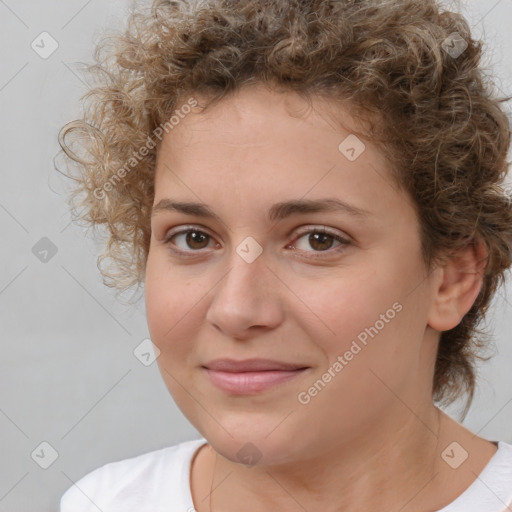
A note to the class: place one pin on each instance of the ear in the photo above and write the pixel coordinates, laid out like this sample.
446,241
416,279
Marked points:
456,289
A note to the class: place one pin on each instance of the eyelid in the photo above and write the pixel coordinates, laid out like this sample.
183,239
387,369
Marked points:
332,252
183,229
321,229
299,232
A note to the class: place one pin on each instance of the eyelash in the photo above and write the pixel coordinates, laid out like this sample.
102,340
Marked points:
191,229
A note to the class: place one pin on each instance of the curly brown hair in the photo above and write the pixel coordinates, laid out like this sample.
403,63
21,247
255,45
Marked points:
439,122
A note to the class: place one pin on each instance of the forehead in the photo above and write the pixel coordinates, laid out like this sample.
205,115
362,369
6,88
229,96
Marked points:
265,144
255,119
258,111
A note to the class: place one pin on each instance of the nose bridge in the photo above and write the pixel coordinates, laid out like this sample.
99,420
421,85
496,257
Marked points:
245,277
244,297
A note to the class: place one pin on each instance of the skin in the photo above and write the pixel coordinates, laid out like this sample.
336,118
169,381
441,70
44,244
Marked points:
371,439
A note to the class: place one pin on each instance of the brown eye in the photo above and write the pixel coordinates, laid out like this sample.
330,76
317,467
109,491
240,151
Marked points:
196,239
320,240
191,240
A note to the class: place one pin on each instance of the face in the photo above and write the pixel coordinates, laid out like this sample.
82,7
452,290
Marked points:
335,295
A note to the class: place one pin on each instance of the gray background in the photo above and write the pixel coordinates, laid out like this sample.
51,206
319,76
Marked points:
68,373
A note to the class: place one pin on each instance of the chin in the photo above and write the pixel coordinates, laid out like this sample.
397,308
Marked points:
251,444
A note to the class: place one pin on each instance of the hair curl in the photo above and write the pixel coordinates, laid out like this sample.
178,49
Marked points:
440,123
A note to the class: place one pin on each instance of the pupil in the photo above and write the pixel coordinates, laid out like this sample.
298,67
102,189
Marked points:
194,239
322,237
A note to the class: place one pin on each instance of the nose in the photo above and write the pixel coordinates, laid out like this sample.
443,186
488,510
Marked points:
247,301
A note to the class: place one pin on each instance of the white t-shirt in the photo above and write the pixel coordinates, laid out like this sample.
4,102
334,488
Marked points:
159,481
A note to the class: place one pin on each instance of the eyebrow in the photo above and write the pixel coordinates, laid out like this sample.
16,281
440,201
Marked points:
278,211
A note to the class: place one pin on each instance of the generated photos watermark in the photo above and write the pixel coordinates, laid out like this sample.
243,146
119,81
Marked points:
304,397
158,132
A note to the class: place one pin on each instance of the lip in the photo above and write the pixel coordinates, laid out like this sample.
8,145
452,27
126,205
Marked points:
251,376
250,383
251,365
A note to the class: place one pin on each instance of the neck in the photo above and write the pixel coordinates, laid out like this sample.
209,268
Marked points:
381,468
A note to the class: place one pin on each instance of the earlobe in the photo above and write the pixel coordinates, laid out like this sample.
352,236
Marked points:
458,286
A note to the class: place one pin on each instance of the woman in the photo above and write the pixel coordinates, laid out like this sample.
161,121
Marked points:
312,194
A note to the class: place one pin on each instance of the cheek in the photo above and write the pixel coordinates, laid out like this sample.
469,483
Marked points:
157,296
369,318
342,306
172,307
